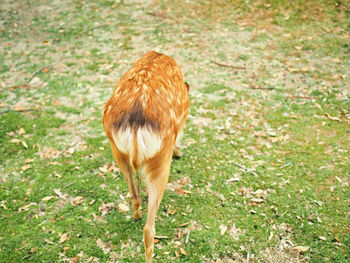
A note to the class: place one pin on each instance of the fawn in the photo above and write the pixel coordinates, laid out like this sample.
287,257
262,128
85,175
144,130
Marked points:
143,120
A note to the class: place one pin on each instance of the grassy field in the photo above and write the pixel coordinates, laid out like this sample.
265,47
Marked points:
266,168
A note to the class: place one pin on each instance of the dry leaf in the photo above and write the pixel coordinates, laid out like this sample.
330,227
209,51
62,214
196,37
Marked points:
29,161
18,107
106,248
183,252
332,118
172,212
26,167
77,200
103,169
33,250
74,260
60,194
48,241
232,179
301,249
63,238
47,198
223,229
21,131
260,134
26,207
25,145
16,141
257,200
123,207
57,175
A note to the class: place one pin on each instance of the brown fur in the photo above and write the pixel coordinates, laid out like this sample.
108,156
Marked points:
150,98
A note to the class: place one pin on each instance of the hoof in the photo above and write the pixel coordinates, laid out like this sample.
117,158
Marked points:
137,214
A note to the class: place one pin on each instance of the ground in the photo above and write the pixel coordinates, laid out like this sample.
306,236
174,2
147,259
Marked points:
265,172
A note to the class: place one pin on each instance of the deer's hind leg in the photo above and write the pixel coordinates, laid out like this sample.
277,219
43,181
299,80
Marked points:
156,174
124,165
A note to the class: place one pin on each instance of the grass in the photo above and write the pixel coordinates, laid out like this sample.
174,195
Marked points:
265,172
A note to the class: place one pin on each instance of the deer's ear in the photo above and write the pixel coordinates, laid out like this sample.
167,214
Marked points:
187,86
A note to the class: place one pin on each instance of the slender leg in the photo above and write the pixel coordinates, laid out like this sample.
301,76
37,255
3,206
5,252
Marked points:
177,152
127,171
156,182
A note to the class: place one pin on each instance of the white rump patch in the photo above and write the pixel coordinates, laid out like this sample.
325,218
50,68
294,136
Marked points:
148,143
124,141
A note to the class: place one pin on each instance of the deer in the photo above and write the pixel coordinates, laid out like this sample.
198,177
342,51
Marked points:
143,121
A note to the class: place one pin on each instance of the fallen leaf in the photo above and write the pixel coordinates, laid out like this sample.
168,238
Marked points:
106,248
25,145
63,238
184,224
77,200
57,175
172,212
260,134
257,200
47,198
26,167
33,250
29,161
60,194
16,141
103,169
65,248
48,241
18,107
183,252
301,249
21,131
26,207
233,179
223,229
332,118
123,207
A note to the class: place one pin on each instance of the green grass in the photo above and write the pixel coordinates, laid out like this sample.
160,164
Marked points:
266,149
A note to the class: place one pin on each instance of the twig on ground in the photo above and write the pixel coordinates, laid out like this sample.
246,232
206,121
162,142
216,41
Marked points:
244,168
187,236
68,185
92,29
21,110
300,97
36,73
254,87
286,165
228,66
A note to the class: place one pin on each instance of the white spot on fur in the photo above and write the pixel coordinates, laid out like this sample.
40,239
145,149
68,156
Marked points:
145,87
109,107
